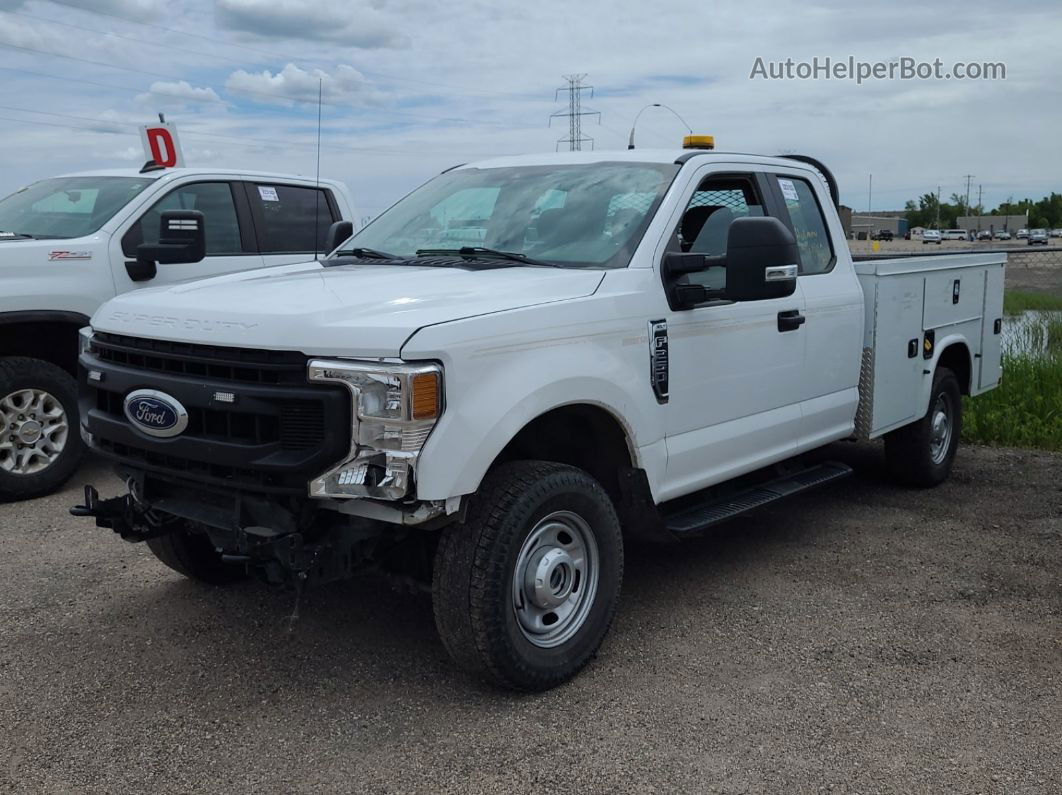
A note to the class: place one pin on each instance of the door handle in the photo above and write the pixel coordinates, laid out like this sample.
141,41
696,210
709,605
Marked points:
791,320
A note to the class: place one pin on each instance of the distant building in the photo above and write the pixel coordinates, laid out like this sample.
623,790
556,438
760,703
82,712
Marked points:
865,224
846,219
992,223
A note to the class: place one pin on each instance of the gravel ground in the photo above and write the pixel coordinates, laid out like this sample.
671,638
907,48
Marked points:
863,638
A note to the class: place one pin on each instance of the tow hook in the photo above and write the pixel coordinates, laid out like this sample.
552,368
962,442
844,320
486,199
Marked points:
120,514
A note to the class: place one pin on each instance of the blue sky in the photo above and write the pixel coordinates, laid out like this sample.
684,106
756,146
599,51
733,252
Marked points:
413,87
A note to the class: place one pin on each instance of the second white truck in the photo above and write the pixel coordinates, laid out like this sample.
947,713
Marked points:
69,243
515,367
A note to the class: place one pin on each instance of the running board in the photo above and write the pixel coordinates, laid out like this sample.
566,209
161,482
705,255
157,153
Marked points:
700,517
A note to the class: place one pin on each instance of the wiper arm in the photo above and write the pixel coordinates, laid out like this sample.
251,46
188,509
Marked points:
472,252
367,253
15,236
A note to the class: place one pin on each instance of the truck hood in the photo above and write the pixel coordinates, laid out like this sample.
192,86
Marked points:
347,310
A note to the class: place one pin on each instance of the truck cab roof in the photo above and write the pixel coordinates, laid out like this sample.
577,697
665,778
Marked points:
675,155
185,171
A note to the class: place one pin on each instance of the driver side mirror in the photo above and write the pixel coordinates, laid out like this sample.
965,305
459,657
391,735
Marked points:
182,239
337,233
761,262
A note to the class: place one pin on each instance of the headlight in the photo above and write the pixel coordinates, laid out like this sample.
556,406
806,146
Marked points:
395,408
84,339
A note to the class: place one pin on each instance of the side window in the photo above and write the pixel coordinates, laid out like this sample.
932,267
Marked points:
213,199
809,226
706,222
288,218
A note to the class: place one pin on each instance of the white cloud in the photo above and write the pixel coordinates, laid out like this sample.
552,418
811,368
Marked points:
345,85
350,22
178,94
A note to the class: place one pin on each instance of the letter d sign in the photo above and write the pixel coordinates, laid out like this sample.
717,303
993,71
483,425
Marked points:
161,144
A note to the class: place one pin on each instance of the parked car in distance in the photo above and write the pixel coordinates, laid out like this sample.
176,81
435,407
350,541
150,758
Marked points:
1002,234
984,234
931,236
1056,233
953,234
1037,237
882,234
1022,234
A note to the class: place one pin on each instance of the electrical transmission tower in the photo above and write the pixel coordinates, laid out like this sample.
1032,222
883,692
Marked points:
575,113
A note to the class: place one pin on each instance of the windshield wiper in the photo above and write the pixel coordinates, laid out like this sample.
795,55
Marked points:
15,236
366,253
472,252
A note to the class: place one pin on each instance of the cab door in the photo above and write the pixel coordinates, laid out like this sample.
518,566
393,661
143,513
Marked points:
735,367
230,241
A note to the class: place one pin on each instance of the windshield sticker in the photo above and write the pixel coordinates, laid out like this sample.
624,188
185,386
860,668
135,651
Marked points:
268,194
54,255
788,190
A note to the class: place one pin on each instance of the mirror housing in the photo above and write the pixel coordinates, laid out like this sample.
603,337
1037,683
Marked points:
182,239
337,233
761,260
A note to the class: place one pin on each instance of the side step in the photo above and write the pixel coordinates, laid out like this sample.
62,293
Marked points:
700,517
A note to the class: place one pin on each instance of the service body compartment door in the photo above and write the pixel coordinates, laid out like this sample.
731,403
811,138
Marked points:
897,334
991,328
953,296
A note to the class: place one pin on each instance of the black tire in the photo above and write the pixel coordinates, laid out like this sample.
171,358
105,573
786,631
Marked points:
911,453
473,579
19,373
192,555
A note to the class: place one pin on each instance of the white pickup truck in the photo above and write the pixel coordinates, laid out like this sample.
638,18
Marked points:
69,243
515,367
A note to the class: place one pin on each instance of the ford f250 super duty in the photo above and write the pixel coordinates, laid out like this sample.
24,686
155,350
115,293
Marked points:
518,365
69,243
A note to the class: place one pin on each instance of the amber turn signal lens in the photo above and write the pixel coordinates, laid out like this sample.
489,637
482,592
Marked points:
425,399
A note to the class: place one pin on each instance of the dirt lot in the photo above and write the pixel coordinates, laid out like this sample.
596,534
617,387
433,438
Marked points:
863,638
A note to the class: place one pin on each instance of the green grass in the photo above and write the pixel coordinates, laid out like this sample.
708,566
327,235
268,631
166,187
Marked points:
1017,301
1025,410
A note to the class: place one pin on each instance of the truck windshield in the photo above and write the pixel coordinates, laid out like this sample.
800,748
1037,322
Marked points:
66,206
585,215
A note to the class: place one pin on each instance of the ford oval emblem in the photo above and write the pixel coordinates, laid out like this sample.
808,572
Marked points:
155,413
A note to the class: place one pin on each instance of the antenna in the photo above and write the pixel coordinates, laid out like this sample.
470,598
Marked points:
575,89
317,179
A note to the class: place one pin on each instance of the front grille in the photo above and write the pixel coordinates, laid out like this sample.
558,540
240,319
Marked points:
216,363
278,432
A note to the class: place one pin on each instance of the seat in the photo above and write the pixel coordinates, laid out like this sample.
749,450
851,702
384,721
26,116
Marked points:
712,237
693,221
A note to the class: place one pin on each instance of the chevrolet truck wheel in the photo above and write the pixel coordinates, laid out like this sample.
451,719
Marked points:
922,453
40,445
525,589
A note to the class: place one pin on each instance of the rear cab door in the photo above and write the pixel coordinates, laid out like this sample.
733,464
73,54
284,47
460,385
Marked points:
833,305
291,221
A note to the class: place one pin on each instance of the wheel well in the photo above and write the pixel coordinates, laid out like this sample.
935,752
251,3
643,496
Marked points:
54,342
583,436
956,358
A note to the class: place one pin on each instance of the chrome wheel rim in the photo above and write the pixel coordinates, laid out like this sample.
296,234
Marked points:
555,579
940,430
33,431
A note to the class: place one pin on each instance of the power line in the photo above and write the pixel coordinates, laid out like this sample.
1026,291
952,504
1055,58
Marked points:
229,89
575,89
239,139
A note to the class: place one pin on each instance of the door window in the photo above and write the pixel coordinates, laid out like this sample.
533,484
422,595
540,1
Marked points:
809,225
289,218
706,222
213,199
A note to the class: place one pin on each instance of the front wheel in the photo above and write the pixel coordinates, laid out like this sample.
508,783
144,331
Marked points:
40,446
525,589
922,453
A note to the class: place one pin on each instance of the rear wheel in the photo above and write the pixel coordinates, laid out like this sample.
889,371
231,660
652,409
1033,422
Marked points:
192,555
922,453
524,591
40,445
